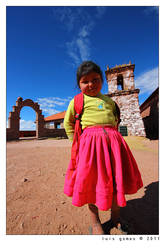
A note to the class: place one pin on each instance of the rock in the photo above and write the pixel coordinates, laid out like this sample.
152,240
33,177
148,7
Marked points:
72,229
115,231
22,225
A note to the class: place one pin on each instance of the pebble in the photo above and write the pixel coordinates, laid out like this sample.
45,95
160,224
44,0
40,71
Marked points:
72,229
115,231
22,225
64,226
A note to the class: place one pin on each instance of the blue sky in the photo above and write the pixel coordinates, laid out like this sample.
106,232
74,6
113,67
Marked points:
45,45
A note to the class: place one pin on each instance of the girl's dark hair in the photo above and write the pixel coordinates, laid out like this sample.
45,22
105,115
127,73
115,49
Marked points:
87,67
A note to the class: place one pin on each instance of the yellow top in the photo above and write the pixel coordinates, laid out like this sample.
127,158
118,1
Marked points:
97,110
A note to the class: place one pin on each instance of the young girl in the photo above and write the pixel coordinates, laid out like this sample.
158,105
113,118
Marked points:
105,167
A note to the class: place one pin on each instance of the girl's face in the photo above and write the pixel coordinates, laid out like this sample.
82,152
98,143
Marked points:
90,84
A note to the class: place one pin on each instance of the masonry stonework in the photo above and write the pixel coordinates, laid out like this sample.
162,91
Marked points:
13,133
14,119
121,89
150,114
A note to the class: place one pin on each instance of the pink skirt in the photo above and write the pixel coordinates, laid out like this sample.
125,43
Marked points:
105,167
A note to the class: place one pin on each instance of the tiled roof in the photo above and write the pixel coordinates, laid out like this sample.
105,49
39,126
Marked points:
57,116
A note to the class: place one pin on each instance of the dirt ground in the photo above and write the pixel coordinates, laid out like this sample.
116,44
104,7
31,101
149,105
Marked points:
36,204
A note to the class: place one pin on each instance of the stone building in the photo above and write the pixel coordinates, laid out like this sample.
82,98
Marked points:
42,131
55,121
121,88
150,114
54,125
12,132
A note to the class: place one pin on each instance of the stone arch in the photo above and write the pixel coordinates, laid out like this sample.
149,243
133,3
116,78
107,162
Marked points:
14,119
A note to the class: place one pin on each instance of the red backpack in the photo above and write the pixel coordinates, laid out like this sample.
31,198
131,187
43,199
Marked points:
78,106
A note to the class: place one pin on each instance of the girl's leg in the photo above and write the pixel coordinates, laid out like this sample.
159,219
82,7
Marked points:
115,211
115,217
95,220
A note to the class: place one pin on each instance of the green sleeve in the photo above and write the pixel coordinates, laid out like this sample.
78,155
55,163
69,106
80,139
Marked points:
69,120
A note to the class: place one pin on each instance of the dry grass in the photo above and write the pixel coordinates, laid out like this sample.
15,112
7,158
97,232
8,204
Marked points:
140,143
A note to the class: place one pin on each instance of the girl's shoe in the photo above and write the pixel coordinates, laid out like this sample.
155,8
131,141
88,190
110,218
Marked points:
119,228
123,228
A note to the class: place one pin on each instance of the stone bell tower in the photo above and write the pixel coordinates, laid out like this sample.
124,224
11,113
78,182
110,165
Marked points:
121,88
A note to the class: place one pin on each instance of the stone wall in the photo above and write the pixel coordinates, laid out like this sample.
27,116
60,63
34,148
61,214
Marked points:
150,115
12,133
54,124
129,111
55,133
127,74
27,133
126,98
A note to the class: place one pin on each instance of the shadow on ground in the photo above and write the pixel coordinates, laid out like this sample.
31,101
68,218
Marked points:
142,215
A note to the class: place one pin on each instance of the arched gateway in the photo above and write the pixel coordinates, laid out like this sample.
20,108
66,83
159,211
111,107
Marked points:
14,119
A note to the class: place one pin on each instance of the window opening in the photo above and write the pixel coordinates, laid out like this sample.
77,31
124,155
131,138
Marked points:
120,85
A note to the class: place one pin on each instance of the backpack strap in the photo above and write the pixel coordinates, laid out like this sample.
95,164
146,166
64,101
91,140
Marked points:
117,114
78,106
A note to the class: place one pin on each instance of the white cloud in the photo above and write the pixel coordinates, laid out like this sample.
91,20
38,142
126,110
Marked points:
79,48
49,106
84,31
62,14
100,11
50,111
147,82
53,105
44,102
63,99
84,48
72,51
82,22
151,9
68,16
27,125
